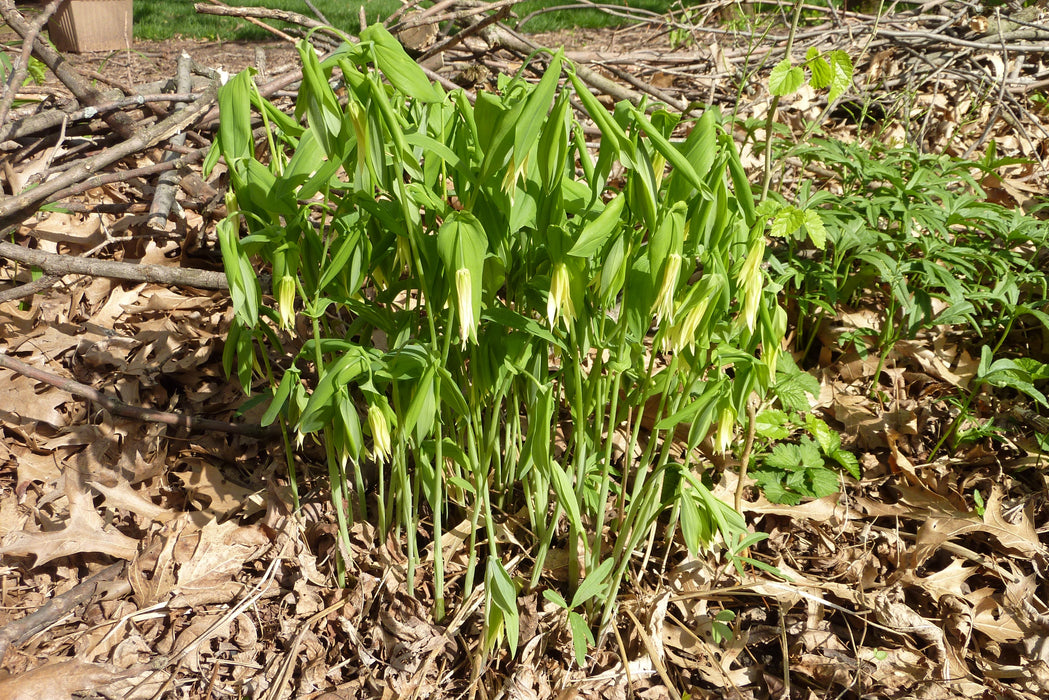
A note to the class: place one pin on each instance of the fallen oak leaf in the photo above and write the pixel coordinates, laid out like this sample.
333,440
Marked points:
84,531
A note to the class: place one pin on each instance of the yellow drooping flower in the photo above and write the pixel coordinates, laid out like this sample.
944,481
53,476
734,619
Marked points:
465,307
664,304
286,301
683,333
726,430
381,443
750,282
559,302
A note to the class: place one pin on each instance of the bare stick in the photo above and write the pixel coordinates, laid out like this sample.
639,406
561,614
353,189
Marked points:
29,288
21,68
11,207
249,13
55,264
21,630
314,10
119,408
43,121
89,96
164,196
262,25
474,28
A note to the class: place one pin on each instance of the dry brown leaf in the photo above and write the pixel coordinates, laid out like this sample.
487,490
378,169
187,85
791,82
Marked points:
211,490
83,531
55,681
210,558
27,401
990,618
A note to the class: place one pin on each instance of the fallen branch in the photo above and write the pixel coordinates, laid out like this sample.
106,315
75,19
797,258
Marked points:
119,408
27,290
21,68
52,119
164,196
124,175
20,631
55,264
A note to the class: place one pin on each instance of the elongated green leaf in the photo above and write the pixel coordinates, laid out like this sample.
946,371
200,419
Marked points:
348,367
740,183
841,65
234,100
668,150
595,585
598,231
280,397
535,109
504,596
398,67
562,484
581,635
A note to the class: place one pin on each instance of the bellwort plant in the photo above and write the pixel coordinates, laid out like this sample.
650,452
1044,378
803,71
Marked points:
472,316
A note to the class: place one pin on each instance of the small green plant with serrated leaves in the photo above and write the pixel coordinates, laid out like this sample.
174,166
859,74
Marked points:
808,467
832,71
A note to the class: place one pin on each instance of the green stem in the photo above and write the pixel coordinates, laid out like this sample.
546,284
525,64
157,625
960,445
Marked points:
766,178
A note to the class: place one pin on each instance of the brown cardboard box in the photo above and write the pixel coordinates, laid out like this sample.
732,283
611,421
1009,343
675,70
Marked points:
91,25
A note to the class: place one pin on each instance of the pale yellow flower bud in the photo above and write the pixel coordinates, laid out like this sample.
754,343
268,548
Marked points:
286,301
464,297
559,302
664,304
726,430
683,333
381,445
750,281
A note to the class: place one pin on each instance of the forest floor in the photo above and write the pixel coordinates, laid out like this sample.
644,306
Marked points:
141,559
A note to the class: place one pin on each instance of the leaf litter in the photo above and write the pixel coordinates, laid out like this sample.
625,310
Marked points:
900,585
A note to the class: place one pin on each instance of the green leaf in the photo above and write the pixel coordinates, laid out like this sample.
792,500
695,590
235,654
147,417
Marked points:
504,596
829,440
772,424
535,109
771,484
565,493
848,462
824,482
555,598
814,225
785,79
598,231
399,68
234,100
595,584
581,635
809,451
822,73
841,65
784,457
668,150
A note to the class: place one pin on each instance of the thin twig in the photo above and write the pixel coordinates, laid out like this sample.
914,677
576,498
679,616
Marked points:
21,67
29,289
164,196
